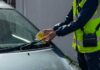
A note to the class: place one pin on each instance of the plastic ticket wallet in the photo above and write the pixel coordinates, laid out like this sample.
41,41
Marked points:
40,36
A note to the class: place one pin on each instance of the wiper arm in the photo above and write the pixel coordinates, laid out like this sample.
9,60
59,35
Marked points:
34,44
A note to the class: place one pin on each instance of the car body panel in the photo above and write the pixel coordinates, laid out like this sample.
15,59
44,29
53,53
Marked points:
32,60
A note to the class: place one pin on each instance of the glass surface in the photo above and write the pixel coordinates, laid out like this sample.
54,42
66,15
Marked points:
15,30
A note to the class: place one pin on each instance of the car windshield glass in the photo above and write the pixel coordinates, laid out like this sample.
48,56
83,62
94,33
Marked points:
15,30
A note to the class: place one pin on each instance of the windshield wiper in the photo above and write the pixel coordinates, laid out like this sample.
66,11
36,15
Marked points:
32,45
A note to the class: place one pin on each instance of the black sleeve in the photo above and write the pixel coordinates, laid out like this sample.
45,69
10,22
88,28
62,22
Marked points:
69,18
86,13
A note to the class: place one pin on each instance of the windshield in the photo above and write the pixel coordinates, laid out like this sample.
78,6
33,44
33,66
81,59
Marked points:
15,30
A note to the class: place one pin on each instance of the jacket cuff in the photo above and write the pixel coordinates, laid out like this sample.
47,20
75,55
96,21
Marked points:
56,26
61,32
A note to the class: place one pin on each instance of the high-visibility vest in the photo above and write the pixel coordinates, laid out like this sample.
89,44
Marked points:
90,27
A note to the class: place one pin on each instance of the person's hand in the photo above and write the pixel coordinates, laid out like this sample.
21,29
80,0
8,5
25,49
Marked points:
49,34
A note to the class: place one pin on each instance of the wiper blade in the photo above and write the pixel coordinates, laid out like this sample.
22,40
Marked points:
34,44
8,49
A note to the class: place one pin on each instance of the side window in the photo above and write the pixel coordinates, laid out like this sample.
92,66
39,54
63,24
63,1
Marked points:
11,2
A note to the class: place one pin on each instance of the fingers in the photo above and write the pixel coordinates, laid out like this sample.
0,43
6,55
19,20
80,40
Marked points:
50,36
47,31
47,34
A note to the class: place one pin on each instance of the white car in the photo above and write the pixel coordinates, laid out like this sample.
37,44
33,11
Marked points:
20,51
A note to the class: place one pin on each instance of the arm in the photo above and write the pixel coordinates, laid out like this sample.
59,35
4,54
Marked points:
86,13
69,18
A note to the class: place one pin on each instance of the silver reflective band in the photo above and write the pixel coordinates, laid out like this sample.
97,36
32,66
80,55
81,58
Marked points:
97,13
58,24
80,43
98,39
75,18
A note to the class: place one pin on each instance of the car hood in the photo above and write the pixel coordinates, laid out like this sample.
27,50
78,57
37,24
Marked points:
45,59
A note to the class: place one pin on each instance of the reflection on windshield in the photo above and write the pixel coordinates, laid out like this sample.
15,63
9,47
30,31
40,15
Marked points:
15,29
20,38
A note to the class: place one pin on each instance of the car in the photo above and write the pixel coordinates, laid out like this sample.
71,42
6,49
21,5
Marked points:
19,50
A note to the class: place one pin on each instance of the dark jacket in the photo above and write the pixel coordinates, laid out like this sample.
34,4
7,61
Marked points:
69,26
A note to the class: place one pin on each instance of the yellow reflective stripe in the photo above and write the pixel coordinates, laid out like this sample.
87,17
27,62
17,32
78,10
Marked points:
74,8
82,3
75,11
